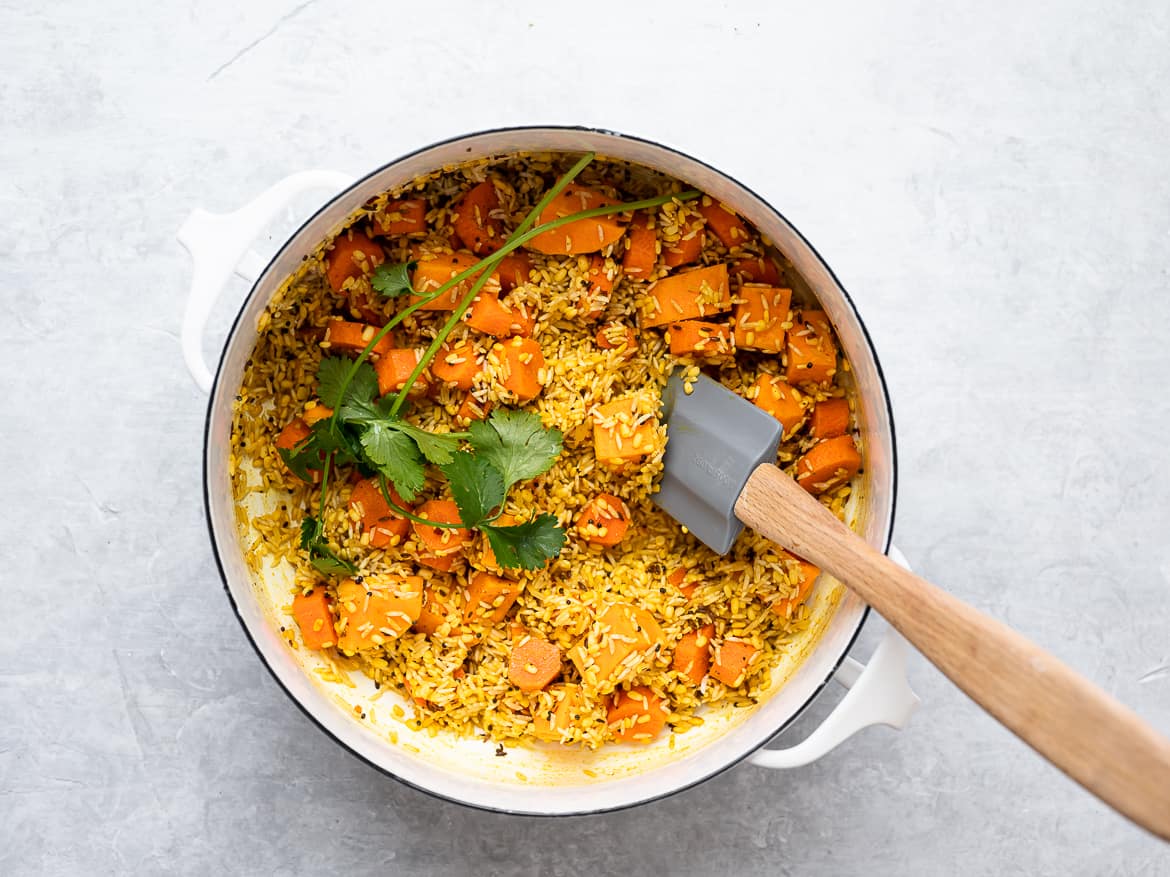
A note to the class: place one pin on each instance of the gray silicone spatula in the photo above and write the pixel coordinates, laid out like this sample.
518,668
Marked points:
720,477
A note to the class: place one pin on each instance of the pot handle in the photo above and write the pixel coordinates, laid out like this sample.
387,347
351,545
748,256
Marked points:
220,245
879,694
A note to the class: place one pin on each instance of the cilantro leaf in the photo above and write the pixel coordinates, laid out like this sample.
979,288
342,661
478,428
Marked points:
516,443
301,459
328,440
476,486
323,558
437,447
529,545
393,280
330,378
395,455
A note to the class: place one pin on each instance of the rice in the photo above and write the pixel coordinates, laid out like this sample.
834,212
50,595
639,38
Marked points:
458,675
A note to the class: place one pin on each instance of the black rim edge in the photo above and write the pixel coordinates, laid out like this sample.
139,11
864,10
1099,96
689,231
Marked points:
310,715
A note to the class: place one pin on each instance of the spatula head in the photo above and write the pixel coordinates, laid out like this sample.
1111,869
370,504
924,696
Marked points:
714,440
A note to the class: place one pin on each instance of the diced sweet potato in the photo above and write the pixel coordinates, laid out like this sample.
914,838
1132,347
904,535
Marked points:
760,315
757,269
342,336
782,401
697,338
637,715
828,464
534,663
438,611
489,597
514,269
459,366
434,269
682,580
550,724
476,221
582,235
316,412
807,572
380,526
641,249
521,365
395,367
379,609
441,541
732,662
403,217
616,644
472,409
692,655
700,292
353,255
687,248
812,352
602,275
830,418
621,433
314,617
604,520
617,336
724,223
492,317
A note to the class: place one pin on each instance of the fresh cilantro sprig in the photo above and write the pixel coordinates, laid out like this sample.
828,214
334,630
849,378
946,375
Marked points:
393,280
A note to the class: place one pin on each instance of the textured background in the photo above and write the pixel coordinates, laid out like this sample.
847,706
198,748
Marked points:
988,179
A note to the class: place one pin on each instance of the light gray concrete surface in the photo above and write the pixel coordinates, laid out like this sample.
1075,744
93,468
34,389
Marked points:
988,179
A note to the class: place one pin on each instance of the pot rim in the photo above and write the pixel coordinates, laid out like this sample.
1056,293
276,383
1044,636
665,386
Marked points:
730,763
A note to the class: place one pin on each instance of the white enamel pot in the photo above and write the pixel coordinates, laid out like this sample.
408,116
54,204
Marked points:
544,779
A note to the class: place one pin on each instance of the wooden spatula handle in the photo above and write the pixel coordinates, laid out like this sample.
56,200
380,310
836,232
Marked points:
1100,743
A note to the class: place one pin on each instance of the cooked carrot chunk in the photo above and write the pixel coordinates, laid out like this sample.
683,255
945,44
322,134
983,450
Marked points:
602,276
641,248
636,715
828,464
459,366
686,249
807,574
692,655
406,216
616,644
724,223
353,255
830,418
579,236
616,336
700,292
733,659
522,362
315,412
760,315
292,435
380,526
604,520
550,724
490,316
621,433
489,597
314,616
696,338
534,663
812,353
342,336
757,269
381,608
475,218
782,401
394,369
514,269
434,269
